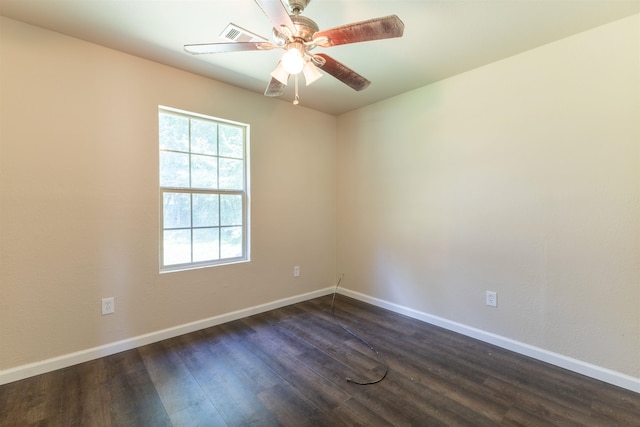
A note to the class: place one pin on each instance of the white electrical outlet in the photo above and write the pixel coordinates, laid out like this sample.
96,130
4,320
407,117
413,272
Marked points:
296,271
108,305
491,299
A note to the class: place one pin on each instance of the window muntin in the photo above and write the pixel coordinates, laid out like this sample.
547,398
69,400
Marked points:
204,191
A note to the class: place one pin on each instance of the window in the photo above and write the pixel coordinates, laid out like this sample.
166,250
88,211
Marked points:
203,191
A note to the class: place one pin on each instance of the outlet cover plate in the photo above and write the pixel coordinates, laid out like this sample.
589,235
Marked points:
108,305
491,299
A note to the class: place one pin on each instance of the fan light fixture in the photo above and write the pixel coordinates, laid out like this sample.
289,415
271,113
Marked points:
310,71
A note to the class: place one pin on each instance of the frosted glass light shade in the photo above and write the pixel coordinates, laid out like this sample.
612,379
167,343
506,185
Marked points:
292,61
311,73
280,74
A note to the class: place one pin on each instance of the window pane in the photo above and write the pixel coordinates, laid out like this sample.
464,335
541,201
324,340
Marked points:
231,141
230,209
174,132
206,244
177,210
174,169
204,137
177,246
231,238
205,210
231,174
203,172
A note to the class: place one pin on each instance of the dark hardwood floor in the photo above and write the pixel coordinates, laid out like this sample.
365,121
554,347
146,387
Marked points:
288,367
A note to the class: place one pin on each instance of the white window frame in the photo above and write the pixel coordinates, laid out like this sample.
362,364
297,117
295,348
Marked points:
244,193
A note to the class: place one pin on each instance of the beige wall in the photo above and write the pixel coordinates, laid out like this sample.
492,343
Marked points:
521,177
79,197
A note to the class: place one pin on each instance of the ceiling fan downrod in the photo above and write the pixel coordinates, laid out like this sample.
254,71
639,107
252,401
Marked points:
297,6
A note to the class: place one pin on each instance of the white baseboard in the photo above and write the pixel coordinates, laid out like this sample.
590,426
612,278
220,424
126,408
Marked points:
597,372
48,365
578,366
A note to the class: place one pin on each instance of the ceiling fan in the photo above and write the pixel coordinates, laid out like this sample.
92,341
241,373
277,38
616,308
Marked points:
298,36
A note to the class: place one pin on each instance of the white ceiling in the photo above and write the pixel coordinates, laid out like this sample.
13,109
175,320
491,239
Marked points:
441,38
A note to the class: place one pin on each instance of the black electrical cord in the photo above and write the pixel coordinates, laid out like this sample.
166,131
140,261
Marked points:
365,342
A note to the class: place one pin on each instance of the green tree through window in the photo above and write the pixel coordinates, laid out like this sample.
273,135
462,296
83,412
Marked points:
203,186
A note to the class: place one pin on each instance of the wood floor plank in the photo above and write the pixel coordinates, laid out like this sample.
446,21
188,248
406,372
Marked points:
356,414
133,397
32,401
199,414
235,401
94,396
546,407
247,366
302,377
293,409
180,393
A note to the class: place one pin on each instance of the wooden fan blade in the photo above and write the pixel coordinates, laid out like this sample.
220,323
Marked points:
373,29
277,14
275,88
199,49
343,73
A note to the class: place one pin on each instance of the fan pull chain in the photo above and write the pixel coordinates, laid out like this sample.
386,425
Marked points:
296,100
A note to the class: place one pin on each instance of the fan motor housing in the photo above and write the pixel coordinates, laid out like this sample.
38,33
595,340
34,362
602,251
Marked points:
305,29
